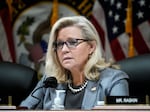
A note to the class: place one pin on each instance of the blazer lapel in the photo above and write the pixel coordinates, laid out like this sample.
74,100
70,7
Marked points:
90,95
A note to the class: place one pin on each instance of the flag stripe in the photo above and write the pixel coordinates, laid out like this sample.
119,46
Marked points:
144,29
99,29
142,47
4,49
117,50
124,40
7,38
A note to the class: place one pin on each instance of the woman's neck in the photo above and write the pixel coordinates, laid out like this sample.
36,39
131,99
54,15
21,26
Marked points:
78,78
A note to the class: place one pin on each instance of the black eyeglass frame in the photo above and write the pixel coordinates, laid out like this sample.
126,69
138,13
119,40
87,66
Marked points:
75,42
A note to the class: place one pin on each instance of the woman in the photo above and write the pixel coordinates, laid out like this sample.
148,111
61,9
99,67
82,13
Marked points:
74,58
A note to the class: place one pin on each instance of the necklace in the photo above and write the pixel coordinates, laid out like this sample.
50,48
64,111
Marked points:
79,89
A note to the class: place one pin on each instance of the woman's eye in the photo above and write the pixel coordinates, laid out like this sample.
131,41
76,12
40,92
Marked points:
60,43
72,42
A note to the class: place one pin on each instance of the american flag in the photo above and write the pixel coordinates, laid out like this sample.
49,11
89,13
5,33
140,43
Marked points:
109,17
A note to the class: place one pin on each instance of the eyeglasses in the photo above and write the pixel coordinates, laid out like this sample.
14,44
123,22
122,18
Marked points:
70,43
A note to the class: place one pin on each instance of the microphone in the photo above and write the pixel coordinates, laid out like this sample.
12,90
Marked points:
49,82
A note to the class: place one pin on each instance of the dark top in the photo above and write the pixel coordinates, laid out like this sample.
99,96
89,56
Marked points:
74,100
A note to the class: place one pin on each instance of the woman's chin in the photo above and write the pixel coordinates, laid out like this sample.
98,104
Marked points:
68,66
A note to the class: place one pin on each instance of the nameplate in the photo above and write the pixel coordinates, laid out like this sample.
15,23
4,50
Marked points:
126,100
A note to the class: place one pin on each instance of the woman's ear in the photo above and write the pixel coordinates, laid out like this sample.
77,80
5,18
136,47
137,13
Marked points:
92,46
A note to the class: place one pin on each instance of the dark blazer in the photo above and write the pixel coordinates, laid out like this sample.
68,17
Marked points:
111,83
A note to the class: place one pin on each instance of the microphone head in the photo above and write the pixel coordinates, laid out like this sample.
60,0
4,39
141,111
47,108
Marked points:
50,82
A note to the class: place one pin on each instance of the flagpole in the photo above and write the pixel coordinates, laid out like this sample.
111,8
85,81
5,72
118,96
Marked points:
128,28
9,2
54,16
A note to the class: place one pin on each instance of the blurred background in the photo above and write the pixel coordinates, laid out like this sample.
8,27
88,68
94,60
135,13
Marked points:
25,25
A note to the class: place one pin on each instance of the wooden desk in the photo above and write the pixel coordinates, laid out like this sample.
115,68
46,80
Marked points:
112,108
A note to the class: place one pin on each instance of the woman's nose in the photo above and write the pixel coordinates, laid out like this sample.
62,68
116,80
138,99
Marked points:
65,48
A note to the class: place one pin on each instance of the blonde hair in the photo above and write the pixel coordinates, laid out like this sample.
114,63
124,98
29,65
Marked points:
95,62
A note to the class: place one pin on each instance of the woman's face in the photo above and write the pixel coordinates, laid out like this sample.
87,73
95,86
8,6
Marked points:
75,55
